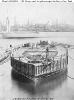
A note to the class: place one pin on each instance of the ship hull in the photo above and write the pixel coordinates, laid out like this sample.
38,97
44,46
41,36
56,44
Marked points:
42,77
28,70
20,35
36,66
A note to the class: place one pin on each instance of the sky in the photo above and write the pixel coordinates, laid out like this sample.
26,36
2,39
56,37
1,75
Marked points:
37,12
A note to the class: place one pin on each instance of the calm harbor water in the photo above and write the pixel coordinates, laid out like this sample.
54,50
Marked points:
59,87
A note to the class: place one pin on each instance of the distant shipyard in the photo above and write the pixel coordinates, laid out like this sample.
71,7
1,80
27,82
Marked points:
38,27
37,30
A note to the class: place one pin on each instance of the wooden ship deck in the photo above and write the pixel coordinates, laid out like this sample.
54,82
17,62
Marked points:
41,60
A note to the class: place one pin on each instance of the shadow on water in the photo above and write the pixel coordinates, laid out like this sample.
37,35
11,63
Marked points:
44,86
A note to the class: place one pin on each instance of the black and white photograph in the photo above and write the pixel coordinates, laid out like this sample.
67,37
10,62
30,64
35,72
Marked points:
36,50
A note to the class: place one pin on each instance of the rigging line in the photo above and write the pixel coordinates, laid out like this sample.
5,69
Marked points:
70,57
16,63
70,77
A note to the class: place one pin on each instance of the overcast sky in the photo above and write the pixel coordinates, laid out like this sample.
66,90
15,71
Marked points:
37,12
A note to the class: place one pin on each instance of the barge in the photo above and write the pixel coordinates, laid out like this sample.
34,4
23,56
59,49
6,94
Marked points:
40,60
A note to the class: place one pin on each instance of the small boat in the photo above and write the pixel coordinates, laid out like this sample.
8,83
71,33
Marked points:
40,60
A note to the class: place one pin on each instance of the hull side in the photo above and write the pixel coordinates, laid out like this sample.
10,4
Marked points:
39,78
31,75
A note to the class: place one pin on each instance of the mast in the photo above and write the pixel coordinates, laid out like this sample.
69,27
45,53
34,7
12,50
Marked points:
7,25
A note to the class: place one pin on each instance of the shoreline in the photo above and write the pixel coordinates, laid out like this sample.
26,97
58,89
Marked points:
17,35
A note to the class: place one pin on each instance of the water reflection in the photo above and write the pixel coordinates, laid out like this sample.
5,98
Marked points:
42,87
